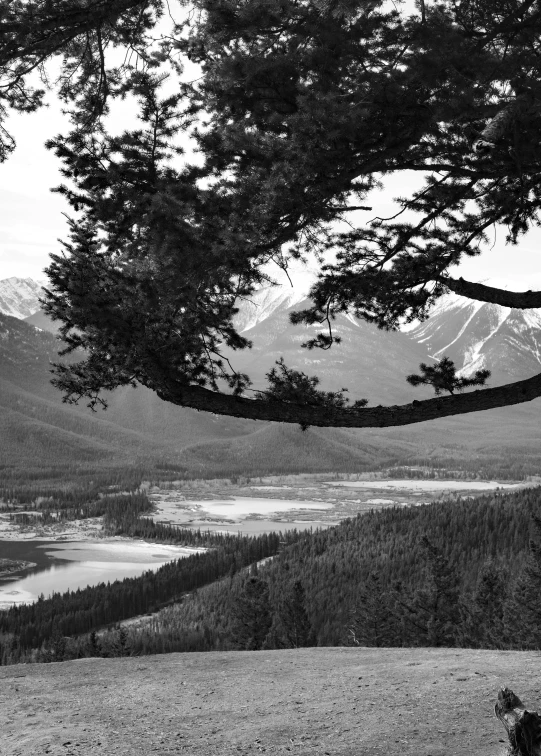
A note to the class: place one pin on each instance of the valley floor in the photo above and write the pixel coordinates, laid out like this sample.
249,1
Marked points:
276,503
308,702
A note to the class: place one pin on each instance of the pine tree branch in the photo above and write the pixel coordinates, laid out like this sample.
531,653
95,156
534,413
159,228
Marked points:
200,398
37,33
511,24
519,299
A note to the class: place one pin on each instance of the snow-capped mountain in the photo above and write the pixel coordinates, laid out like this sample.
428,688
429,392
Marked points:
290,288
473,334
263,303
479,335
372,364
19,297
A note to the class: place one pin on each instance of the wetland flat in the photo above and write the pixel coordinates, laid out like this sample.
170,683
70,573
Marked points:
303,503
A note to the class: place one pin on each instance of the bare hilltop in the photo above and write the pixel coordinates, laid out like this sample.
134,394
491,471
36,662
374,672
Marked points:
308,702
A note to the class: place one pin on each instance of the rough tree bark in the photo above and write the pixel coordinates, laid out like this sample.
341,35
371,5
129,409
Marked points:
522,300
200,398
497,127
523,727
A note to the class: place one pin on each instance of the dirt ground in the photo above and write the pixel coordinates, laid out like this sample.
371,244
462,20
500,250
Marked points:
310,702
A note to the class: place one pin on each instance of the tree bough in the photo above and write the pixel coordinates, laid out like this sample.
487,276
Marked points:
200,398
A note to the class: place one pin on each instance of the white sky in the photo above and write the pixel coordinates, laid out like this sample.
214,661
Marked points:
31,220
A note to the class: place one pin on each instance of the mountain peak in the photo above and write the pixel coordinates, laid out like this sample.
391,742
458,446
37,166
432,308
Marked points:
478,335
19,297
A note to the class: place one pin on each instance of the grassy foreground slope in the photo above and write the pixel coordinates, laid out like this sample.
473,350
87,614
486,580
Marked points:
308,702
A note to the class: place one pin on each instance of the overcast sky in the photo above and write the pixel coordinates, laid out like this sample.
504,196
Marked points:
31,219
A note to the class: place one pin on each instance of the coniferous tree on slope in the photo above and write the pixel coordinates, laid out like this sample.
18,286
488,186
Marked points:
373,620
482,623
93,645
523,610
434,610
291,625
251,615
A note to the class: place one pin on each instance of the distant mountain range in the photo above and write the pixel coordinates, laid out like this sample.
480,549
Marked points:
36,427
19,297
478,335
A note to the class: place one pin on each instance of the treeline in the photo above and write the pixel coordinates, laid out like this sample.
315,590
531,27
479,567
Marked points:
33,626
453,573
113,508
514,463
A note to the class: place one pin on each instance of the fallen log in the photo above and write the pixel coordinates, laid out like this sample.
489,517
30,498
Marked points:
523,726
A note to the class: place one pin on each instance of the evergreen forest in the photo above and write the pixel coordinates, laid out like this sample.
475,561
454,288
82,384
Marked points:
460,573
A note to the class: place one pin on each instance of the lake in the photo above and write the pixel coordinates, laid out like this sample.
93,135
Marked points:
62,566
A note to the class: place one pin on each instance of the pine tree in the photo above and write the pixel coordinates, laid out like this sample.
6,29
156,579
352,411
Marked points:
120,645
523,610
373,620
301,108
251,615
293,627
93,646
434,610
58,645
483,615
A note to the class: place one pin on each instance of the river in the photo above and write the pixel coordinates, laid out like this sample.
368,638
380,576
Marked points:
69,565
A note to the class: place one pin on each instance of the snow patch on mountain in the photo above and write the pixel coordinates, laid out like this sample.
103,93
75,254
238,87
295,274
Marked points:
446,306
473,355
262,303
352,319
480,335
19,297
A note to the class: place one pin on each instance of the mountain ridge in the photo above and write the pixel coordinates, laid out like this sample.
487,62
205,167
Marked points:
19,297
479,335
372,364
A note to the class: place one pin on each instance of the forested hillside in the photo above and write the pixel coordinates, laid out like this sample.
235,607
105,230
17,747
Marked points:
449,573
453,573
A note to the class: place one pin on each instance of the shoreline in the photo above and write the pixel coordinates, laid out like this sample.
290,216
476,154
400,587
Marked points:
10,566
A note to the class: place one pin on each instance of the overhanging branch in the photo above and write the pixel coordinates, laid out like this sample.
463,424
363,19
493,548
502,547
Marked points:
45,33
522,300
200,398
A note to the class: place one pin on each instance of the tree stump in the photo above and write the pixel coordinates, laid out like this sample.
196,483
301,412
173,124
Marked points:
523,726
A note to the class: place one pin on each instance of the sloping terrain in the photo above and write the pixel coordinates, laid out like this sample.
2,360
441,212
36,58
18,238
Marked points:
138,425
308,702
370,363
286,448
19,297
478,335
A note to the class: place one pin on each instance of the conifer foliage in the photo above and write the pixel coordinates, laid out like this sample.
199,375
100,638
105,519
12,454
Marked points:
373,617
293,626
461,574
442,376
252,615
299,109
523,612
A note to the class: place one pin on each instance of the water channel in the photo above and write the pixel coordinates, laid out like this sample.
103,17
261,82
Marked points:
69,565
